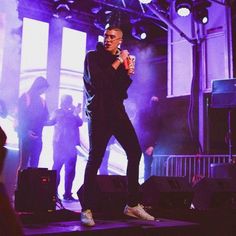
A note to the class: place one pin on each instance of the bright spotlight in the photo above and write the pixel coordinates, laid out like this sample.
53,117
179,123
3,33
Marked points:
201,16
138,32
145,1
183,7
143,35
201,11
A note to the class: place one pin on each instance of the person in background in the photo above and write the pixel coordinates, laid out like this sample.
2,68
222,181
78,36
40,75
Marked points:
148,125
32,115
66,121
106,81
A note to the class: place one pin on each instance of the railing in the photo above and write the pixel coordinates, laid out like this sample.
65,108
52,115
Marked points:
186,165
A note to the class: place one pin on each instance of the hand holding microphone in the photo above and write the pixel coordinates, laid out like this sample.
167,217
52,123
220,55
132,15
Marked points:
128,60
131,64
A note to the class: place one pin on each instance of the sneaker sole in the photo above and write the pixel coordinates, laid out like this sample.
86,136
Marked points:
132,215
88,225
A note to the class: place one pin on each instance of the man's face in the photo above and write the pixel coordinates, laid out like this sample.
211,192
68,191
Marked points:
112,39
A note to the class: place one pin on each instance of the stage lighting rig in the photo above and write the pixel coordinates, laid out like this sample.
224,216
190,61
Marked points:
145,1
138,32
63,9
183,7
200,12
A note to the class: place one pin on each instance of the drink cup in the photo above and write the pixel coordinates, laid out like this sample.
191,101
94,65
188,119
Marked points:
129,62
132,59
126,63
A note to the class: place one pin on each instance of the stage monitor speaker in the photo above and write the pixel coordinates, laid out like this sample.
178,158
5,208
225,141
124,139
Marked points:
36,190
223,93
109,194
223,170
167,192
214,193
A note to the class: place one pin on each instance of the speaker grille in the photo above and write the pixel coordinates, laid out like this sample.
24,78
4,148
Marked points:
36,190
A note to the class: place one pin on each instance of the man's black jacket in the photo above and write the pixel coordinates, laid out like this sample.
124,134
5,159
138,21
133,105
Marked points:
105,87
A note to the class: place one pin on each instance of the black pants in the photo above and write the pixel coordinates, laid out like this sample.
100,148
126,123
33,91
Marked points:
65,155
30,150
99,135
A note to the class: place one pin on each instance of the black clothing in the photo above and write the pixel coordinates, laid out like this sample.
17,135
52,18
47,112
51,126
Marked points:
32,116
3,139
104,170
66,137
148,127
106,89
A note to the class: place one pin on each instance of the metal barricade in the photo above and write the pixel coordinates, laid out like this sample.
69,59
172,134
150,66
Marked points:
159,165
192,165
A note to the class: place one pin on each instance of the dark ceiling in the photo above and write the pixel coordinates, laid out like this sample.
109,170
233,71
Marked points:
85,13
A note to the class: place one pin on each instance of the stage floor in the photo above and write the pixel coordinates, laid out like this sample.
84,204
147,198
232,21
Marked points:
113,227
172,222
66,221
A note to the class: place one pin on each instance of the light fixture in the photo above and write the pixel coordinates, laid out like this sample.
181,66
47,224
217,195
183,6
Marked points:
101,19
145,1
114,19
65,1
200,13
138,31
183,7
106,18
163,6
63,9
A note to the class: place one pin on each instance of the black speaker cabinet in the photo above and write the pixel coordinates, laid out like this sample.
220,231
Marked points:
223,93
223,170
167,192
212,193
109,194
36,190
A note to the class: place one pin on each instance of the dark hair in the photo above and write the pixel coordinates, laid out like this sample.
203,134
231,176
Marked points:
39,83
114,27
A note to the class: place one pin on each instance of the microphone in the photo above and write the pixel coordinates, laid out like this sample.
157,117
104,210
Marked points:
126,63
129,62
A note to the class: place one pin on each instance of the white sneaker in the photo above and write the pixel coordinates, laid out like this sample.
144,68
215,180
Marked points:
87,218
138,212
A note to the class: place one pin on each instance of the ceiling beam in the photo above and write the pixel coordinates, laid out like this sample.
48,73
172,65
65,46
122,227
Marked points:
128,10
